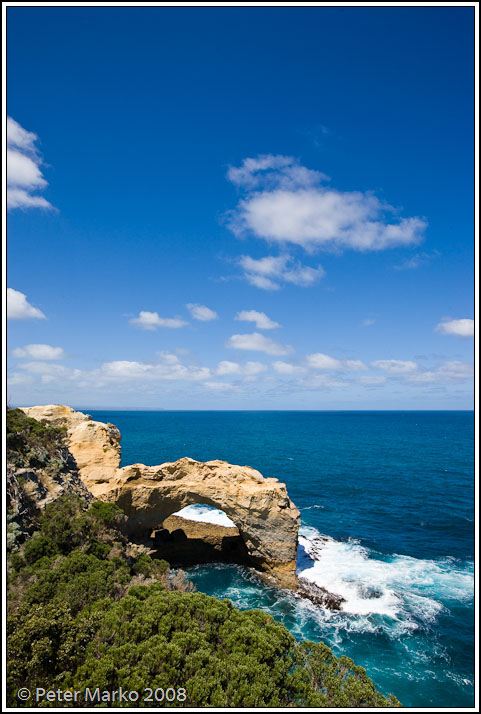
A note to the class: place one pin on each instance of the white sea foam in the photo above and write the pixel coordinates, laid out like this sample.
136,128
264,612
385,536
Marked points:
205,514
409,591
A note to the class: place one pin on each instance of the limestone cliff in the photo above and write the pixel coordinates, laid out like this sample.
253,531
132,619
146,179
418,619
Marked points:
95,446
266,518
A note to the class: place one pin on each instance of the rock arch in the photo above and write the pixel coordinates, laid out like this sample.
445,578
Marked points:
260,507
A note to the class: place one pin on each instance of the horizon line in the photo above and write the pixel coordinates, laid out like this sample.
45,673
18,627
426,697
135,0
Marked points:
164,409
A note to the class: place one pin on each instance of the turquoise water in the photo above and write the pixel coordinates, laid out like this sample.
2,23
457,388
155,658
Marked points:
393,491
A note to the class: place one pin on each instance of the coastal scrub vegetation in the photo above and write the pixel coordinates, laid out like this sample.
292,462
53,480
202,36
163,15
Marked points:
31,442
86,608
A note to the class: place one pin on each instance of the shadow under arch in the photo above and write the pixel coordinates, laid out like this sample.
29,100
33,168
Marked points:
182,539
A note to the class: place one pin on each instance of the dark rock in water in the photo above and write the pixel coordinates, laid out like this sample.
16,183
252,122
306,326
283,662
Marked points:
369,593
320,596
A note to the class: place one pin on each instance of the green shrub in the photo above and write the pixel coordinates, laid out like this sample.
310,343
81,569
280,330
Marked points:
37,547
108,513
100,550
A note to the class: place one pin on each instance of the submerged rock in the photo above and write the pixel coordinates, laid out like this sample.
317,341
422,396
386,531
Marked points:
319,595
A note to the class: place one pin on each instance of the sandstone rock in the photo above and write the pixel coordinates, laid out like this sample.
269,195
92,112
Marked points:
95,446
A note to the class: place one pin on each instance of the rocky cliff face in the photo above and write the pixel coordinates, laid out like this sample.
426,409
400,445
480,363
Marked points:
266,518
40,468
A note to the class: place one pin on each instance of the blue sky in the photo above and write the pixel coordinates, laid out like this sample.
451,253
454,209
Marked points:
306,174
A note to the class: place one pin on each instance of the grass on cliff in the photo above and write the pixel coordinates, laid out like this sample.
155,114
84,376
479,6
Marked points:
86,610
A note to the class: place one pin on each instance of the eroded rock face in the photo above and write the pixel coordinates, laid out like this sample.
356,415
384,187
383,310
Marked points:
260,507
95,446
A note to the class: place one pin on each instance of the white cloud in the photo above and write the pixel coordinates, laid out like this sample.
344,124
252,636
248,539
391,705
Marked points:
368,322
287,368
19,198
23,171
256,341
395,366
322,361
227,367
18,307
20,137
291,206
267,273
119,371
248,369
462,328
318,360
24,175
449,371
261,320
38,352
127,370
168,357
268,170
201,312
354,365
50,372
151,321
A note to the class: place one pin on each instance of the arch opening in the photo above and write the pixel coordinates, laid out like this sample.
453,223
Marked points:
199,533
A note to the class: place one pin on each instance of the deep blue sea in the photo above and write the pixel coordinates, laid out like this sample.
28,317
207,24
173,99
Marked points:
393,492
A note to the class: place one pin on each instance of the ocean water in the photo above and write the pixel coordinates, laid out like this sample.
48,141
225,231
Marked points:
387,511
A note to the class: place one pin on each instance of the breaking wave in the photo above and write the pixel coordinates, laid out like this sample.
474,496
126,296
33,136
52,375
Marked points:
401,589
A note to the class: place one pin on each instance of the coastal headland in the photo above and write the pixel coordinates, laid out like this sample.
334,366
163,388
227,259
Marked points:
266,521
